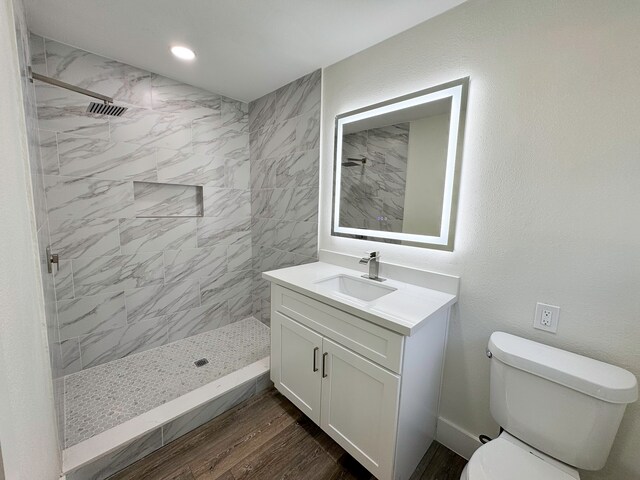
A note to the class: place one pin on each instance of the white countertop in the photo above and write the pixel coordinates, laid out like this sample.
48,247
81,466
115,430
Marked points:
402,311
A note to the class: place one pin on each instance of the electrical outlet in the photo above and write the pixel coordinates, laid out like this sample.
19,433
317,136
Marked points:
547,317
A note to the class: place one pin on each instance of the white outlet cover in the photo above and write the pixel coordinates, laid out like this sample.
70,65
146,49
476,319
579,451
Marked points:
543,310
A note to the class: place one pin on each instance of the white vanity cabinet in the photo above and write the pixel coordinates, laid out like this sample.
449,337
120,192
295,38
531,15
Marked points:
373,390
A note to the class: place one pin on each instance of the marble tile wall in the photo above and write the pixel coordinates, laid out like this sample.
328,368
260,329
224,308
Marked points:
284,137
127,284
372,196
38,167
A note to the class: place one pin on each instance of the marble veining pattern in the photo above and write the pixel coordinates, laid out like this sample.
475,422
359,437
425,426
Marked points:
152,128
192,102
86,315
195,263
158,301
73,197
117,273
73,120
372,196
107,346
103,176
85,238
63,279
190,168
197,320
107,395
225,287
284,135
299,96
156,234
226,202
92,157
49,153
213,231
240,306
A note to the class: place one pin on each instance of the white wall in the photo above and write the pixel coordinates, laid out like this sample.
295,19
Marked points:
27,418
550,183
426,168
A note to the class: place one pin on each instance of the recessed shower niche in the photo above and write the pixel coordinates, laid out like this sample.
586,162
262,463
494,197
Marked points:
153,200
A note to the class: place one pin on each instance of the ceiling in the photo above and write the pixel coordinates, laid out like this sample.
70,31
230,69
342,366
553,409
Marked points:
244,48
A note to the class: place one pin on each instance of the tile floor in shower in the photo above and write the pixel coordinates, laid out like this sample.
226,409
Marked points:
102,397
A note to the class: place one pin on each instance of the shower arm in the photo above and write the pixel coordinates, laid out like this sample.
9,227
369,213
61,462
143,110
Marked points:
68,86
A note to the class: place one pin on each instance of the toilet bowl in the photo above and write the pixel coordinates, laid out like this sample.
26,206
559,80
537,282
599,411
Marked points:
559,411
507,458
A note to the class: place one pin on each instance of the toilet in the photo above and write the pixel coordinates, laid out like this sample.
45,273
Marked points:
559,412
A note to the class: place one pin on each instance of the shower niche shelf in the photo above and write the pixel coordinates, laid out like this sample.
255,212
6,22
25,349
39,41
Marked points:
167,200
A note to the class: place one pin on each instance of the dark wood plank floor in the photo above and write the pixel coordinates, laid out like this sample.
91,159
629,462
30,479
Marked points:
267,438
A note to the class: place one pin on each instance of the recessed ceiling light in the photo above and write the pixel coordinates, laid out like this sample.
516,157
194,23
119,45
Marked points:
183,53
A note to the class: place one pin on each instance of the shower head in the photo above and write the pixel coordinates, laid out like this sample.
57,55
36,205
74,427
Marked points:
353,162
106,109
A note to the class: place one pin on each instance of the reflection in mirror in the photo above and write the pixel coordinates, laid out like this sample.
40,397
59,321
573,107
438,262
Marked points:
396,165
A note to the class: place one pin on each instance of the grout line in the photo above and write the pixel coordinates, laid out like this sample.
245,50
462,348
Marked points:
46,62
79,354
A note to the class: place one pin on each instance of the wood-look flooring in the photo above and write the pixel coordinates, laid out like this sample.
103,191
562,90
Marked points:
266,438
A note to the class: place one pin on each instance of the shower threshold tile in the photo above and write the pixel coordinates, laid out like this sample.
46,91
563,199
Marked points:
103,397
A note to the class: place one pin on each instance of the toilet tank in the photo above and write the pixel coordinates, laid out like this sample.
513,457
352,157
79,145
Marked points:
563,404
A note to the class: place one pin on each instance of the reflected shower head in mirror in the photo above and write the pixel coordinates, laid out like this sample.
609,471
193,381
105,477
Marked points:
354,162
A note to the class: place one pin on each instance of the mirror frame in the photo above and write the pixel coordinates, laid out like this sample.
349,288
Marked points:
457,90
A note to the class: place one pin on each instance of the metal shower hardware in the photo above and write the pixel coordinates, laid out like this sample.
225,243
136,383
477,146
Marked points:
51,259
352,162
105,108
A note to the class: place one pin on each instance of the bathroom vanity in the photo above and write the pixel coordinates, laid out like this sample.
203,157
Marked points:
362,359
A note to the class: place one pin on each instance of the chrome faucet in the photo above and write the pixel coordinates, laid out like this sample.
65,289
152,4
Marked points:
373,259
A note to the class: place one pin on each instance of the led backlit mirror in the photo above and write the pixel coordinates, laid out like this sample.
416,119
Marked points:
397,165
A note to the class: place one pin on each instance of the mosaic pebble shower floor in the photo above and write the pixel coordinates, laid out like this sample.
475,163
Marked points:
102,397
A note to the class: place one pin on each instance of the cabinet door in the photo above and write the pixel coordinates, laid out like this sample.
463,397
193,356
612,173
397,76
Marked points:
359,407
295,364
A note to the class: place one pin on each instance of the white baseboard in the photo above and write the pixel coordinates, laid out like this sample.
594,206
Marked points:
457,439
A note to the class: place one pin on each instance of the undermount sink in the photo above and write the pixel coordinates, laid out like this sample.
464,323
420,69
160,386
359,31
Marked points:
355,287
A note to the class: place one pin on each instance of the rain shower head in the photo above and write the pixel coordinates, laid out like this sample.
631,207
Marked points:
106,109
354,162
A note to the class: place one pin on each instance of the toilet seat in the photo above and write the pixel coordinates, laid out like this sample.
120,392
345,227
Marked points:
507,458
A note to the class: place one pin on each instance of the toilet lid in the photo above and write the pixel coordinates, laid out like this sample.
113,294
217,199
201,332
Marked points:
502,460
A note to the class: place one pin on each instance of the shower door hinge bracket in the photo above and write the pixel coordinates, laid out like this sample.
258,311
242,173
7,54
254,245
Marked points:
51,259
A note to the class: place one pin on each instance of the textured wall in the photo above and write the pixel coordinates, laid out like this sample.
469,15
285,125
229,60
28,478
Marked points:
127,284
27,423
284,138
549,185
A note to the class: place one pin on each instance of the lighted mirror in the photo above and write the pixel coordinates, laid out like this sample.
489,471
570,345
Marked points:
397,166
